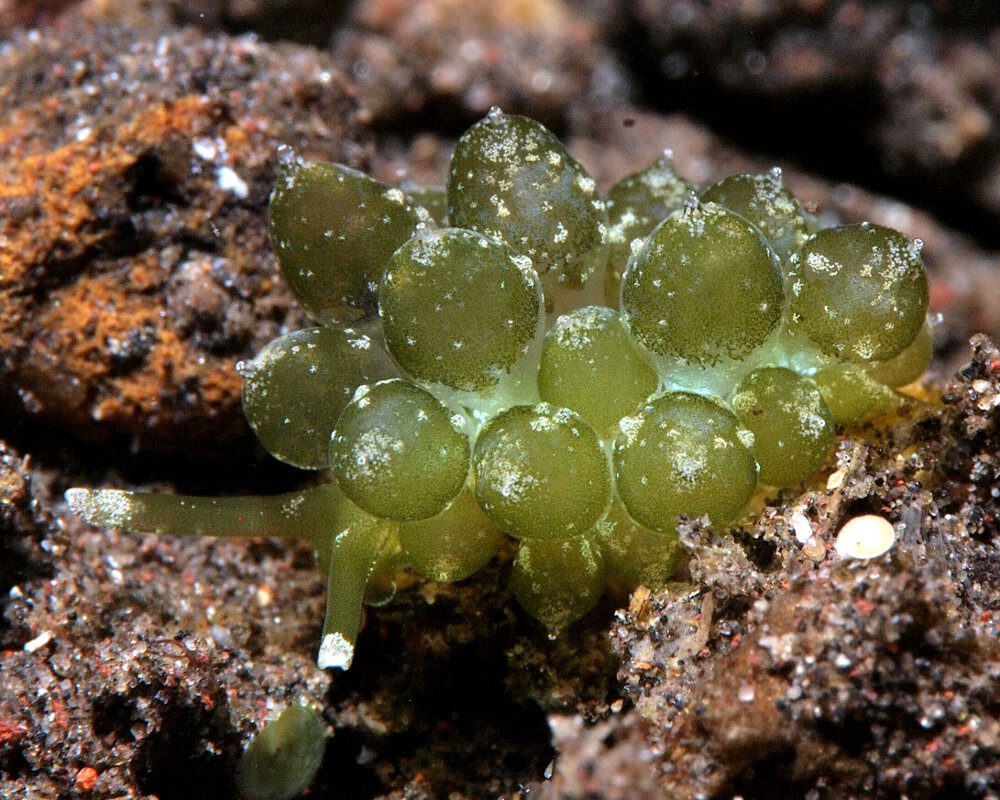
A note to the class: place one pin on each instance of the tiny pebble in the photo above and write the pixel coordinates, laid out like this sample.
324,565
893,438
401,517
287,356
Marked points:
802,528
814,548
265,595
229,181
836,479
86,779
866,536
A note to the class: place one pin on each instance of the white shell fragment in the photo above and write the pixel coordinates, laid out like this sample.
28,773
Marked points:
866,536
803,530
38,642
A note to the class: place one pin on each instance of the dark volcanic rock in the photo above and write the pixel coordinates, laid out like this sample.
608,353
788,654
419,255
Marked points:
134,264
900,94
448,61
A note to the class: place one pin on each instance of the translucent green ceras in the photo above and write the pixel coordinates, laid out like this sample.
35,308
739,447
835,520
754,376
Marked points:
283,757
517,357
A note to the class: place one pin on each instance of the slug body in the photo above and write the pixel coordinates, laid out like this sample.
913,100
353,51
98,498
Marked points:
529,359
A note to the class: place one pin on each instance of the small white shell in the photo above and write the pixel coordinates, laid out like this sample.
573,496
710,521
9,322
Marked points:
867,536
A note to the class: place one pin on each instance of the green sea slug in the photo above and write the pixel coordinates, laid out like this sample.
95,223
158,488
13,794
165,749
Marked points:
529,360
